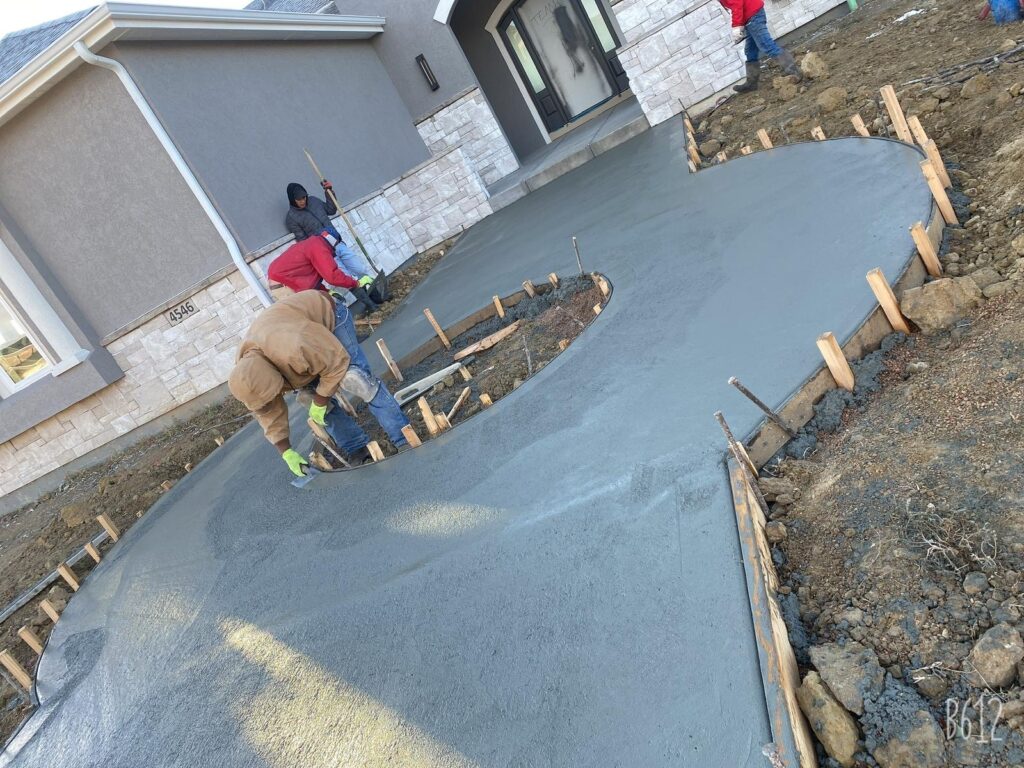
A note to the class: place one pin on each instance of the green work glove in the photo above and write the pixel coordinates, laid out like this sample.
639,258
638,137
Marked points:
295,462
365,280
317,413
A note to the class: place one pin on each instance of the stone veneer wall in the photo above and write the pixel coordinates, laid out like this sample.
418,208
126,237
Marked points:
678,52
166,366
469,122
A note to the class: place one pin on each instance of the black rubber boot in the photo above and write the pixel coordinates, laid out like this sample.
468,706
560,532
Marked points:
789,66
753,76
364,298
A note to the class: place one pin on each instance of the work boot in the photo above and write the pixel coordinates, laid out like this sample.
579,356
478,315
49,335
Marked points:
753,76
364,298
360,457
789,65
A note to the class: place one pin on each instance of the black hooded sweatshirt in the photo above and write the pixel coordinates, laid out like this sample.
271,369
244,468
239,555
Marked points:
311,220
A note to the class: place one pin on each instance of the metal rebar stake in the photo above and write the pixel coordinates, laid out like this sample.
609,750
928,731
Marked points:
767,411
576,247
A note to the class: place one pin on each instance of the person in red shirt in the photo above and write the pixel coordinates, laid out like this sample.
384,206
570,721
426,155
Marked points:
749,21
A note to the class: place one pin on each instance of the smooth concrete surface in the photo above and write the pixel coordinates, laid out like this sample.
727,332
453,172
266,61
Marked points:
556,582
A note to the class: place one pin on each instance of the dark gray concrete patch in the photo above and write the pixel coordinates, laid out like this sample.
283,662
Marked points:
555,582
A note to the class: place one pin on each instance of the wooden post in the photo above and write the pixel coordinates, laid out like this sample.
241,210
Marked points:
17,671
858,125
601,282
411,437
721,156
392,365
563,345
442,421
458,403
530,290
917,130
49,610
166,485
926,250
219,441
836,361
766,142
109,527
553,279
688,124
689,164
498,306
375,452
466,373
746,149
899,121
437,329
428,417
485,400
939,193
93,552
818,133
597,309
932,151
31,639
69,576
887,300
694,155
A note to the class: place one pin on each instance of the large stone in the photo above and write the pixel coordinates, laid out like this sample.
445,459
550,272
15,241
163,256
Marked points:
832,98
788,91
941,303
775,532
851,672
980,84
993,660
773,487
1018,245
975,583
927,105
833,725
75,515
922,747
710,148
813,66
998,289
985,277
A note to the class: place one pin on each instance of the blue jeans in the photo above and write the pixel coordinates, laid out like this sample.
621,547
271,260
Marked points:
350,263
349,436
759,39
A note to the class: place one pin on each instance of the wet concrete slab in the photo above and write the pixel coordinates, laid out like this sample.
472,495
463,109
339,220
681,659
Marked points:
557,581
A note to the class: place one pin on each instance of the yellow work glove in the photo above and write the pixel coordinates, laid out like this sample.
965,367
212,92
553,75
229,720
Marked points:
365,280
295,462
317,413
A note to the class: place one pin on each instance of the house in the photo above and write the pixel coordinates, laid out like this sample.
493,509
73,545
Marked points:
145,150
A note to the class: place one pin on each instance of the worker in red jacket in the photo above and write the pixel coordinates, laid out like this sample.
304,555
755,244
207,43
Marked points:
749,21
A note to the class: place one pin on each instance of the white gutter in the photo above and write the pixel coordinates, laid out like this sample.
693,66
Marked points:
179,162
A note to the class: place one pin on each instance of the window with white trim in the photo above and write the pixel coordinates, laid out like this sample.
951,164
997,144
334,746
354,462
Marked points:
21,357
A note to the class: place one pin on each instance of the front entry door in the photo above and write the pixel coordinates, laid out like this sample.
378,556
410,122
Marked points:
565,53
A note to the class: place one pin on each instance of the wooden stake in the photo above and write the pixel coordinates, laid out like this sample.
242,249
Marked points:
597,309
488,342
93,552
31,639
428,417
166,485
69,576
766,142
563,345
899,121
746,150
530,290
219,441
17,671
553,279
326,441
498,306
858,125
458,403
602,283
721,156
917,130
442,421
485,400
932,151
437,329
887,300
375,452
689,125
691,166
926,250
189,466
818,133
836,361
466,374
392,365
411,437
939,193
109,527
694,155
49,610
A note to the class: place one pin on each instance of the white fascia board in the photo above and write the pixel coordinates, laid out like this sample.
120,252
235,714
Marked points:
129,16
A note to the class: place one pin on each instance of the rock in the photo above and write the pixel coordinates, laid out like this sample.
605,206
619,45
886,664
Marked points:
922,747
788,91
1003,99
851,672
449,381
932,686
939,304
1016,89
833,725
997,289
75,515
773,487
1007,45
727,120
710,148
1018,245
775,532
59,597
105,482
832,98
975,582
978,85
915,366
814,67
944,93
993,660
927,105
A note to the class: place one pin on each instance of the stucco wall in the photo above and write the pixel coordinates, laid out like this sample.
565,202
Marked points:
89,188
242,113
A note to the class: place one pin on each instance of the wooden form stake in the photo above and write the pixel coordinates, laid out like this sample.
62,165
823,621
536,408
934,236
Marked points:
746,150
602,283
887,300
31,639
488,342
899,121
817,133
375,452
442,421
392,365
553,279
930,149
326,441
466,373
694,155
17,671
776,419
858,125
485,400
926,250
94,553
939,193
428,417
692,168
411,437
837,363
498,306
219,441
437,329
597,309
109,527
721,156
528,287
69,576
49,610
458,403
687,123
563,345
766,142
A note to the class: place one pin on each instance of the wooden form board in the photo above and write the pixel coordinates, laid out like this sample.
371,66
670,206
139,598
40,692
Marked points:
779,671
487,342
887,300
858,125
899,121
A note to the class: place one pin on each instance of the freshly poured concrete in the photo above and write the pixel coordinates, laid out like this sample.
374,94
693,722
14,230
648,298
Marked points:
557,582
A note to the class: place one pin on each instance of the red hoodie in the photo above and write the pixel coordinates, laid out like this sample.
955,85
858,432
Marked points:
742,10
309,264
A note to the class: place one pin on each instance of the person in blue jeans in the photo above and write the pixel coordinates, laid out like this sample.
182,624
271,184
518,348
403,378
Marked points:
750,21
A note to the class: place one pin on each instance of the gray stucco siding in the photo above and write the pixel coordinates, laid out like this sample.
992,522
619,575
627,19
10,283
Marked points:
93,198
241,114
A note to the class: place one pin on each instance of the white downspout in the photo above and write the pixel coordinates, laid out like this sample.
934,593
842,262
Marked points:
179,162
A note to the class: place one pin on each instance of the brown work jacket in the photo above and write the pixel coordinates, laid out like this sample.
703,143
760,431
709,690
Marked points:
296,336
